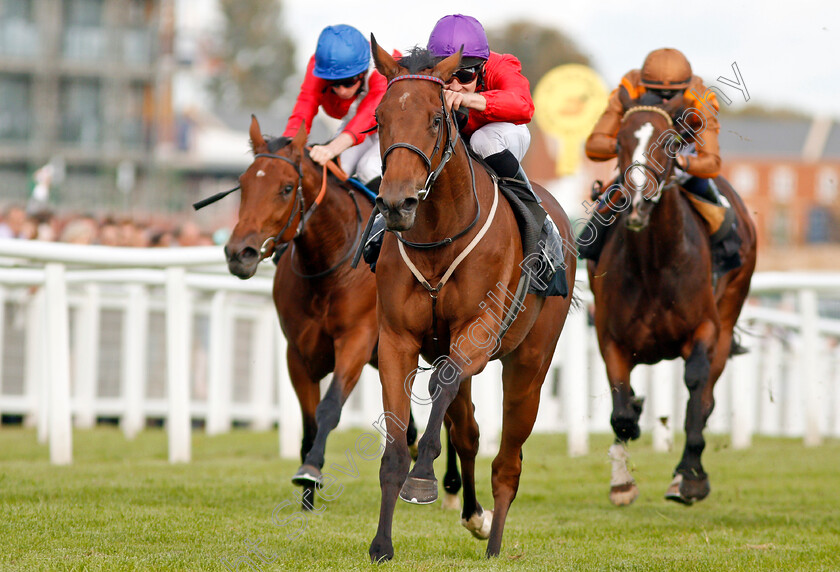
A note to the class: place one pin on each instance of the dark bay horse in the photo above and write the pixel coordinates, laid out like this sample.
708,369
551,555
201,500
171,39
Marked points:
450,228
654,293
327,310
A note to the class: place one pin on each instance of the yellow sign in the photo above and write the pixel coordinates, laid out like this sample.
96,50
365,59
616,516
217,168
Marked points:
569,99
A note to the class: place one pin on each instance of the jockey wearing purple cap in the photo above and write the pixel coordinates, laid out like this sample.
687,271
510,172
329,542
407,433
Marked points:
491,86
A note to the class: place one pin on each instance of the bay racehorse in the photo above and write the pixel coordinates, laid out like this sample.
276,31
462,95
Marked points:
654,293
450,228
327,310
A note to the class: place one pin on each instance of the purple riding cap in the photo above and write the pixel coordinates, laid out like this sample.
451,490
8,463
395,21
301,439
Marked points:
451,32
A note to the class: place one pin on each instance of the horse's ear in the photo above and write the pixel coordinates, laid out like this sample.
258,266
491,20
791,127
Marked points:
385,63
626,101
299,141
447,67
258,144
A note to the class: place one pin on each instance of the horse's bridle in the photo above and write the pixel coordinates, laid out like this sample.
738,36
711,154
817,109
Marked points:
451,141
433,174
668,180
304,216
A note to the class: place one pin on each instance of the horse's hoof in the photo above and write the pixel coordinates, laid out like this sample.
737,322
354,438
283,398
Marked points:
307,475
695,489
451,502
380,551
479,524
419,491
623,495
414,450
674,492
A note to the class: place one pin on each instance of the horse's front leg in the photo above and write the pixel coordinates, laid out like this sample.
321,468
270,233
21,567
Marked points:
691,483
309,395
627,409
450,371
397,360
351,354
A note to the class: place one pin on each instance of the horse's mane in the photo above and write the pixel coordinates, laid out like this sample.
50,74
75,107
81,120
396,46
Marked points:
417,59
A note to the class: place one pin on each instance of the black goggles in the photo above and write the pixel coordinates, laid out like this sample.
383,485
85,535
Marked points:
346,82
466,75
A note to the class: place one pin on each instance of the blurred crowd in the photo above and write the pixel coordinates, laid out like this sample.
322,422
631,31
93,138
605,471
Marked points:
154,231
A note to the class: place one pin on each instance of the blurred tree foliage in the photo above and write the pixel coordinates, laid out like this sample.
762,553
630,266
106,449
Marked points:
538,47
254,54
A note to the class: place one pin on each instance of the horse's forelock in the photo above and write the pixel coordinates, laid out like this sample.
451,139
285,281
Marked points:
277,143
417,60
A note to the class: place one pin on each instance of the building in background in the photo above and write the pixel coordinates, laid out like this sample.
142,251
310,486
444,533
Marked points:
85,85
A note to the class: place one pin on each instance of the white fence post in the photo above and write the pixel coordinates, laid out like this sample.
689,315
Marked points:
135,349
289,425
220,364
810,370
662,379
2,331
487,395
57,353
575,387
35,376
262,369
744,399
178,329
771,387
86,357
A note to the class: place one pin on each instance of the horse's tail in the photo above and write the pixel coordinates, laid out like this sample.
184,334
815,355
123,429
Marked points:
577,300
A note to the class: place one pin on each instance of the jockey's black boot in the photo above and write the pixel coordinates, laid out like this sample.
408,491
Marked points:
373,244
725,242
506,166
591,240
374,184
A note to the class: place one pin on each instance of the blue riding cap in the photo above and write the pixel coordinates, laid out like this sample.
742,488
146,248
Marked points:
342,52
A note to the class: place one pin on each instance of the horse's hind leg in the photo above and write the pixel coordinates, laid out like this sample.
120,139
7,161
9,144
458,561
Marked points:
464,436
627,409
308,394
349,361
522,382
452,478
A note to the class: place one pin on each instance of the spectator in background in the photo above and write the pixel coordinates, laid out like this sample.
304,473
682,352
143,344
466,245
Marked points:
79,231
189,235
15,224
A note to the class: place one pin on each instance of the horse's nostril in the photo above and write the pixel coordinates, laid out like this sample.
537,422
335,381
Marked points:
248,253
380,203
409,204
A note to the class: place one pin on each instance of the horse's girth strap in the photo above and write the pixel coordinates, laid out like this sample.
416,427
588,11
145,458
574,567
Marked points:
460,258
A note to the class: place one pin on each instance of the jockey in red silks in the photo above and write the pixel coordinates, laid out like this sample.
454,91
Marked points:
494,91
338,79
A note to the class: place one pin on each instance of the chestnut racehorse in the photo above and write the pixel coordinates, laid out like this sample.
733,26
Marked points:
327,310
654,293
450,228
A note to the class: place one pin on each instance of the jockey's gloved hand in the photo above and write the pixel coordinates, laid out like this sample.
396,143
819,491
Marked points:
462,117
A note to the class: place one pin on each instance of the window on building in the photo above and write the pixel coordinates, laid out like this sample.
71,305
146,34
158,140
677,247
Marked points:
745,180
15,109
780,230
134,120
819,225
783,184
18,32
827,186
81,122
84,36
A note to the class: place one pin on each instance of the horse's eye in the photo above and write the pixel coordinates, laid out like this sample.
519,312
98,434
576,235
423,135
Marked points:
436,122
288,189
